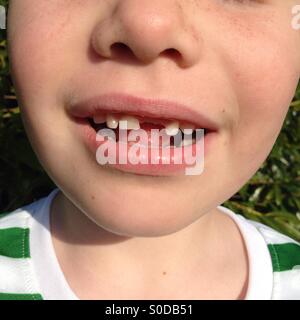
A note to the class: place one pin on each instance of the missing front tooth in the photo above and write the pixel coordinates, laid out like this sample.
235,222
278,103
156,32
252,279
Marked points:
178,140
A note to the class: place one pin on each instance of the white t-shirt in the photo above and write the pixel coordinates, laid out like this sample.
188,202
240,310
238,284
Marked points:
274,259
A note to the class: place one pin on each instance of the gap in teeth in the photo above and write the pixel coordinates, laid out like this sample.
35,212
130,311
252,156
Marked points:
129,122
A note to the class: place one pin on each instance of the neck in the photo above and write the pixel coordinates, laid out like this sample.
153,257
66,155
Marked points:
143,259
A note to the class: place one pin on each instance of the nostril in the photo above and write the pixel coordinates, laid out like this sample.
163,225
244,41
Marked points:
172,54
120,49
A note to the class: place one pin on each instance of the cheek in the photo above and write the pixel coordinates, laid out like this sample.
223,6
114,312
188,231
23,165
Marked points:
265,76
261,63
266,82
36,40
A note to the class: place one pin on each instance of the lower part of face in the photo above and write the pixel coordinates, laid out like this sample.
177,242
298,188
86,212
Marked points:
241,67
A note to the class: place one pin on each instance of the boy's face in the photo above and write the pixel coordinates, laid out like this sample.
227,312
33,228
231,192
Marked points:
236,62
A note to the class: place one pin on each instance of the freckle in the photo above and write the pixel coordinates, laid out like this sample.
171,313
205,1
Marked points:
93,197
223,110
164,273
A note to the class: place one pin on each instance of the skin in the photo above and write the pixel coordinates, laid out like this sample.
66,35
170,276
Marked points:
163,233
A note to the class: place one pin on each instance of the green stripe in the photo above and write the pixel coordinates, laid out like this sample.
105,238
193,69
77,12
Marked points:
19,296
284,256
14,243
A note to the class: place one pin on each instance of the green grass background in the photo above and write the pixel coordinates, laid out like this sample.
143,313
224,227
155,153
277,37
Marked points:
272,196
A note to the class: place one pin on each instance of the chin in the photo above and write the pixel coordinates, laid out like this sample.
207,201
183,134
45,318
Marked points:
125,217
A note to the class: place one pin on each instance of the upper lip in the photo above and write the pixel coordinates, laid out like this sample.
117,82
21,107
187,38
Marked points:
150,108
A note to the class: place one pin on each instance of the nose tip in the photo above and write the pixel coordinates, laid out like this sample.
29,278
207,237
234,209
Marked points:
144,31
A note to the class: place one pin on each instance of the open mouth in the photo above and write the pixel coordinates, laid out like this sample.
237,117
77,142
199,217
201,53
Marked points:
115,116
173,128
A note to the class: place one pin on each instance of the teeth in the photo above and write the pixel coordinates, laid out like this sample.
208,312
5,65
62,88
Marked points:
99,119
172,128
188,131
132,123
186,142
187,128
129,123
112,122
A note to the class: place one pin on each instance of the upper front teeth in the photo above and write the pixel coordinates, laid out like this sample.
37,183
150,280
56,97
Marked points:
172,128
112,122
127,122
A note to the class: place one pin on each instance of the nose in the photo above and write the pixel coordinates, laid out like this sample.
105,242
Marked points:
145,30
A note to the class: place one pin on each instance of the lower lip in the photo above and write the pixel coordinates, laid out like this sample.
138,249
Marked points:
89,136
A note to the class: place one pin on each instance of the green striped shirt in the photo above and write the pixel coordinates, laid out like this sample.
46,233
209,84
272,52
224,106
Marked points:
29,269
